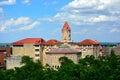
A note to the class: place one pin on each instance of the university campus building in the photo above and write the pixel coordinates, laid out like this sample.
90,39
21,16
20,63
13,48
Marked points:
49,52
4,54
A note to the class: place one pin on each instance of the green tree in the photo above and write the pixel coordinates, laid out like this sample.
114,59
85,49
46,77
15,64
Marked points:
2,75
102,68
65,61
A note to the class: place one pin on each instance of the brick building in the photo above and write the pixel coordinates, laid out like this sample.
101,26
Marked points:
4,53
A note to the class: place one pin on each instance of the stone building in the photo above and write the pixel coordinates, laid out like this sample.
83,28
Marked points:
118,45
13,61
28,47
107,50
52,57
49,52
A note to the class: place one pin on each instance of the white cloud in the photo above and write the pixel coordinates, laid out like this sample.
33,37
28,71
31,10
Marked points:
21,23
93,4
75,4
2,29
30,26
64,16
115,12
18,21
79,12
26,2
114,30
99,18
49,3
1,10
7,2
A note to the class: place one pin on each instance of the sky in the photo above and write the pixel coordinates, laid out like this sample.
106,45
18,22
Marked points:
88,19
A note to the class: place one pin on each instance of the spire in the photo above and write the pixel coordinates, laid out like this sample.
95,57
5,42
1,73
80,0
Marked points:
66,26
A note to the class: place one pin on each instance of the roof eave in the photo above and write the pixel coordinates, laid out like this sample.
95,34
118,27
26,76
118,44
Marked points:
63,52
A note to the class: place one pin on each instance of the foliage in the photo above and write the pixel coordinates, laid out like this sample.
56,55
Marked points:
89,68
65,61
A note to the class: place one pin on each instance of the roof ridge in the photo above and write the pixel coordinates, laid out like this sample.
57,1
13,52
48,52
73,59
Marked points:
88,41
28,41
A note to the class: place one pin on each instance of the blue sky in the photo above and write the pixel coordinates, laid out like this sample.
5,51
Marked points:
93,19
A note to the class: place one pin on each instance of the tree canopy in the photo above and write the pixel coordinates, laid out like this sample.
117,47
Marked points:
89,68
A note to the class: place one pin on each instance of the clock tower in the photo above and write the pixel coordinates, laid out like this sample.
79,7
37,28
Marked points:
66,33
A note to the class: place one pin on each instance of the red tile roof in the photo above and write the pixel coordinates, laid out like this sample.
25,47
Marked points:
88,41
35,41
66,27
63,50
52,41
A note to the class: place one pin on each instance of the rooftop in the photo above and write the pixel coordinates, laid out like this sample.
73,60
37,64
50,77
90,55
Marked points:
51,41
35,41
63,50
88,42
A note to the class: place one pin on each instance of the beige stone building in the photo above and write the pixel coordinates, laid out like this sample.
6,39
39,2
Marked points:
107,50
49,52
13,61
28,47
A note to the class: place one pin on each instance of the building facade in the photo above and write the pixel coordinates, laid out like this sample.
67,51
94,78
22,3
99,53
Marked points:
49,52
28,47
4,53
107,50
13,61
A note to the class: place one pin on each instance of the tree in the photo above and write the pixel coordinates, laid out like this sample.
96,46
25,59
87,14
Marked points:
65,61
103,68
2,75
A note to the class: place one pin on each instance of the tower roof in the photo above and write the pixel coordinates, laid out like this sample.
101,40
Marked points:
66,26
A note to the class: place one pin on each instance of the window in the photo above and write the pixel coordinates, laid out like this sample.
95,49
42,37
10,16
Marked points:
84,49
58,66
5,55
18,45
53,66
36,55
36,49
36,45
46,49
31,58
